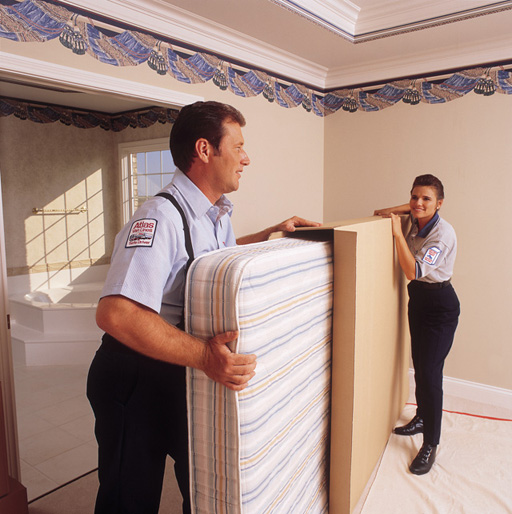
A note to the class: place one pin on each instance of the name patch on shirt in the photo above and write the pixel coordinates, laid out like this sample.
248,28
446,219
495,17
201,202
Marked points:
431,255
141,233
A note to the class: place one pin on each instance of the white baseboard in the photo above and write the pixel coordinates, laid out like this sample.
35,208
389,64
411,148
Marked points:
474,391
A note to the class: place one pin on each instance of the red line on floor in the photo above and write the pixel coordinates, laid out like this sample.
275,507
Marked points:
468,414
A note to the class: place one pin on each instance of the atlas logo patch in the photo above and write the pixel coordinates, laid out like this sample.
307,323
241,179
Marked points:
431,255
141,233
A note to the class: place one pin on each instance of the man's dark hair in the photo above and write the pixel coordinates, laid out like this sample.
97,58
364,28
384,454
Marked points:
430,181
196,121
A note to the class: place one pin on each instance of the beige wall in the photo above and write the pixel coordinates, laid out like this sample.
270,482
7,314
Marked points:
371,160
285,176
54,166
285,145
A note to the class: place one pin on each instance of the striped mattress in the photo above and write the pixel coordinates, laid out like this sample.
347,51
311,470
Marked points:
264,449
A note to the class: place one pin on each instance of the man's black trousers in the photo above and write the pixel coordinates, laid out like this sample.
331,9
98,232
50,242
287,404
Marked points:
141,417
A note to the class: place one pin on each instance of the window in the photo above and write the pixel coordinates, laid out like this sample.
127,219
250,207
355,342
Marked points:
146,167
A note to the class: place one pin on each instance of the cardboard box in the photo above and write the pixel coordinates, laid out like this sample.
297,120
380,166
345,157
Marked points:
370,358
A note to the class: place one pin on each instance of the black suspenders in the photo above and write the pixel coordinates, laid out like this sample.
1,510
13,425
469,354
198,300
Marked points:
186,229
188,244
111,342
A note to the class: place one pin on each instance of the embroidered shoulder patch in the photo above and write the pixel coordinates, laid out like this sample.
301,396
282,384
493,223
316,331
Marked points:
141,233
431,255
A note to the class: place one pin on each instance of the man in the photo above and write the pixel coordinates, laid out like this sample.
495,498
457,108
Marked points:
136,383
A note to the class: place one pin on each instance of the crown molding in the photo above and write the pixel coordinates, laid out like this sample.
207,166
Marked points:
392,14
177,24
338,16
46,73
426,64
160,18
358,25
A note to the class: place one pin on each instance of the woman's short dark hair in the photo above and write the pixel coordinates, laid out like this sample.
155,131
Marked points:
196,121
430,181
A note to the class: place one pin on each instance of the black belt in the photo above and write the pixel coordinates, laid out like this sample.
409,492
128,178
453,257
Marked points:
113,345
431,285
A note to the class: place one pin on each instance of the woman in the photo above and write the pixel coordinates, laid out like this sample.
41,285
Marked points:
427,257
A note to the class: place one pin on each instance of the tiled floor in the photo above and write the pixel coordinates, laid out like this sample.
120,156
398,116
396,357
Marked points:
55,426
79,496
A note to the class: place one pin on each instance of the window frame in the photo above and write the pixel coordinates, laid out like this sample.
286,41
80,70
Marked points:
125,150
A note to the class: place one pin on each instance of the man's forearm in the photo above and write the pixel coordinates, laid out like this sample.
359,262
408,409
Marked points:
146,332
143,330
288,225
258,237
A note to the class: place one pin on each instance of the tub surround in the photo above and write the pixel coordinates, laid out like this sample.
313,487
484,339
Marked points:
57,267
53,316
55,326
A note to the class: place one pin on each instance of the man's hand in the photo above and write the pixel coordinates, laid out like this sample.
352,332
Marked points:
146,332
230,369
290,224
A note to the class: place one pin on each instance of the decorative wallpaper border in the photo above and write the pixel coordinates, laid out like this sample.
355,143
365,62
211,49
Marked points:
37,20
47,113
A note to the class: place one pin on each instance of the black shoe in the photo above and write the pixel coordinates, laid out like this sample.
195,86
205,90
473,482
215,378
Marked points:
424,460
415,426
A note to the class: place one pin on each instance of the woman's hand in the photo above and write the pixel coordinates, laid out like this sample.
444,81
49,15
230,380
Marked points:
399,209
385,213
396,225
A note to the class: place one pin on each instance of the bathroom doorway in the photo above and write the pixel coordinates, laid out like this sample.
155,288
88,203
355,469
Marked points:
54,420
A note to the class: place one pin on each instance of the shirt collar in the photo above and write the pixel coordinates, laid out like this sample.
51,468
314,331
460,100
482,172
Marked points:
196,199
425,231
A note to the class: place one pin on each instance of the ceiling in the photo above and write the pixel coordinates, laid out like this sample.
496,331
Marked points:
326,44
337,43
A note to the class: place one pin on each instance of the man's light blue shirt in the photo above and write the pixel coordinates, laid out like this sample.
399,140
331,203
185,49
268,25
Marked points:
149,257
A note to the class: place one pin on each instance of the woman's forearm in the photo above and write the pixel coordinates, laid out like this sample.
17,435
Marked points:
405,257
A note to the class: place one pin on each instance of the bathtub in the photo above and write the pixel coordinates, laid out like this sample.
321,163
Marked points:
55,326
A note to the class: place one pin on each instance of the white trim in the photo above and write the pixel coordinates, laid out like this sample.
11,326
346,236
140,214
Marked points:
352,22
481,393
146,145
160,17
382,17
383,70
338,17
125,191
6,363
43,72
